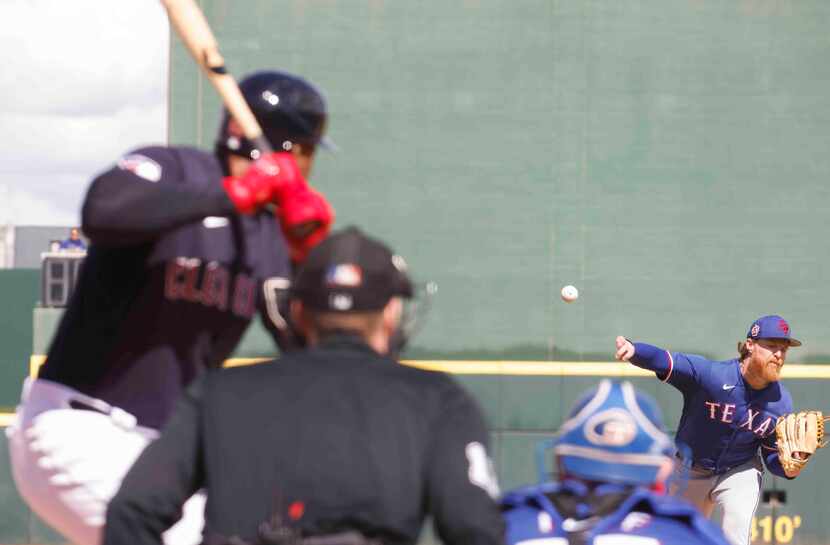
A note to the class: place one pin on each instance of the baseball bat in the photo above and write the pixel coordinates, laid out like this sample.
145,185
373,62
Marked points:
190,24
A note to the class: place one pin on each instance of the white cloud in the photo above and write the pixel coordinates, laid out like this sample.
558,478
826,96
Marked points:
19,206
86,82
48,142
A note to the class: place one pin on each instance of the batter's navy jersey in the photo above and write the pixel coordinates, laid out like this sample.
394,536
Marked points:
724,421
170,283
642,517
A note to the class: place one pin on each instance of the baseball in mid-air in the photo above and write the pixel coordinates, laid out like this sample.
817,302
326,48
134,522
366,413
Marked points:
569,294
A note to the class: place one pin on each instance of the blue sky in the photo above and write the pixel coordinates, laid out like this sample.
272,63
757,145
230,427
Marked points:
83,81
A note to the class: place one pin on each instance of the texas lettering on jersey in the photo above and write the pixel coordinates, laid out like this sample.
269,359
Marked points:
210,284
754,420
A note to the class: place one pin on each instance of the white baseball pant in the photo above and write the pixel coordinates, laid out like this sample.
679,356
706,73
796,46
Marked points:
68,463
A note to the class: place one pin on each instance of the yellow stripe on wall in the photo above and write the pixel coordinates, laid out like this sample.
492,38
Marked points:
533,368
507,368
35,361
526,368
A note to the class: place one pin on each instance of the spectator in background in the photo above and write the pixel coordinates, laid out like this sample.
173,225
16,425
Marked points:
74,243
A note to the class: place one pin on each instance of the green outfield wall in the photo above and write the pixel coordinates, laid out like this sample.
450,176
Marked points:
19,292
667,157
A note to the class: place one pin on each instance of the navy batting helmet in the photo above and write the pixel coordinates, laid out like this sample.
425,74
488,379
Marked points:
289,109
614,434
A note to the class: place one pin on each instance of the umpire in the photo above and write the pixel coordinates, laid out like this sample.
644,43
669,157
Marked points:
336,443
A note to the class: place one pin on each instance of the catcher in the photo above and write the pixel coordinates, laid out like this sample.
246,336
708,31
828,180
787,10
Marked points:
735,421
612,458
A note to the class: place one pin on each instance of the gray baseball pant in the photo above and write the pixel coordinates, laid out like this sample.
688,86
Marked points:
736,493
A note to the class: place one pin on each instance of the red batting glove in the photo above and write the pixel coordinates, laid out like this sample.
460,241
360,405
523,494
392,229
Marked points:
268,179
290,179
306,218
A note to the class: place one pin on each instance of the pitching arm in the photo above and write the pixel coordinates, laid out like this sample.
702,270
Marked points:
677,369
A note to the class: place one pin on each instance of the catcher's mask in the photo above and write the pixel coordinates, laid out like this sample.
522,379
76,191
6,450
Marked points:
412,320
614,434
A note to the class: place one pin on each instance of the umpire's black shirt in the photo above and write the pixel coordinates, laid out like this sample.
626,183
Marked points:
330,438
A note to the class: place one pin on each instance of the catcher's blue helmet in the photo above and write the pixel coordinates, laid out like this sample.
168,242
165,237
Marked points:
614,434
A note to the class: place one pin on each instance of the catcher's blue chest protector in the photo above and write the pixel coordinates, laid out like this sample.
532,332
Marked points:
567,514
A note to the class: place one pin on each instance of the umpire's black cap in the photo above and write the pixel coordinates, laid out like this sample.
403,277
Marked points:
350,272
